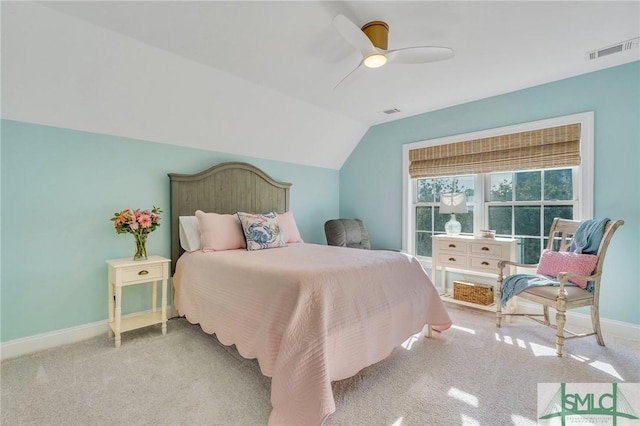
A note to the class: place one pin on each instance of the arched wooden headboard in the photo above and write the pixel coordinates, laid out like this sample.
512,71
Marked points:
226,188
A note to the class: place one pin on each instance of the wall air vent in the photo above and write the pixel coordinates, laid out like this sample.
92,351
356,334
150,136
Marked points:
616,48
390,111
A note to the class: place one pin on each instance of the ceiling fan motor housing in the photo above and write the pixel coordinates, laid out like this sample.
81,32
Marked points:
378,33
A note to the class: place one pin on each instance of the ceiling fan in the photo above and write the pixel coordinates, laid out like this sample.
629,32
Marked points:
371,40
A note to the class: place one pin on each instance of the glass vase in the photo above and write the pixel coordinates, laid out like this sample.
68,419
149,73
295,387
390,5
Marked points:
141,247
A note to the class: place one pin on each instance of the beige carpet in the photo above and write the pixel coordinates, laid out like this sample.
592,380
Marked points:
472,374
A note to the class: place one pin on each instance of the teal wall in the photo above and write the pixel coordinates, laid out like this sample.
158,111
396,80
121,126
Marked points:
371,178
60,188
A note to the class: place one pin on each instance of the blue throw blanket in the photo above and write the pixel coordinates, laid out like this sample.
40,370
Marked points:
586,240
514,284
588,236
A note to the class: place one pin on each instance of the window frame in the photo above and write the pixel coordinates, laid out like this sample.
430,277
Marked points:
583,182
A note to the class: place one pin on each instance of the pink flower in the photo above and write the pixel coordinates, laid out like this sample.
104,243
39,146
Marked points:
136,221
144,220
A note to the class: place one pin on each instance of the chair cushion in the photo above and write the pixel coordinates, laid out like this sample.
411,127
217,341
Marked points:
551,293
554,262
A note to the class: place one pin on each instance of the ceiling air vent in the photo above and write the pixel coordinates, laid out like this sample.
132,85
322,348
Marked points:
616,48
390,111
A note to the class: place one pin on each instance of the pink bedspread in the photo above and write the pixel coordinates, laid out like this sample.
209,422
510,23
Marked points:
311,314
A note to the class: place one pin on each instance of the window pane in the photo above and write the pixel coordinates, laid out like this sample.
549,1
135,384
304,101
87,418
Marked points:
558,185
423,244
466,184
551,212
528,186
440,220
530,250
443,186
501,187
466,220
425,190
527,220
423,218
500,219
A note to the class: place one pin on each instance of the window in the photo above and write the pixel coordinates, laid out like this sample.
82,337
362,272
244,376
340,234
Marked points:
428,220
519,204
515,204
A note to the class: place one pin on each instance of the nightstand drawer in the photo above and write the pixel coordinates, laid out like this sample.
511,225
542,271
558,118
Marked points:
486,249
452,259
142,272
452,246
485,263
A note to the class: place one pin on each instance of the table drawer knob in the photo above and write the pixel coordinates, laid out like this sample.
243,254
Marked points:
452,259
143,272
485,263
485,249
452,245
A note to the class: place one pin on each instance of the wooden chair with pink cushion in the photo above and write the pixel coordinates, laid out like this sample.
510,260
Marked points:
567,276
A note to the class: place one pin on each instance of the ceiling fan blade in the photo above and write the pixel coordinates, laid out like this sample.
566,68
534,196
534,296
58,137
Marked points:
349,77
419,54
354,35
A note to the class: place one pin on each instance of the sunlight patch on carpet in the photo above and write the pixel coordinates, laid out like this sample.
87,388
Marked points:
398,422
463,396
466,330
539,350
468,421
522,421
410,341
579,358
607,368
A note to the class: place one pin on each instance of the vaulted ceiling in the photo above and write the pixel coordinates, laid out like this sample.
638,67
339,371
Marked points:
258,78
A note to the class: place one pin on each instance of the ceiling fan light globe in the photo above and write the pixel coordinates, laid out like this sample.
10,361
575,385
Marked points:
375,61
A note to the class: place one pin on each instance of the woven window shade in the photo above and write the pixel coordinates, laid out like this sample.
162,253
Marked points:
536,149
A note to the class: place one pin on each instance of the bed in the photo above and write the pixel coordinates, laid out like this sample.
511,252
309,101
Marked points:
310,314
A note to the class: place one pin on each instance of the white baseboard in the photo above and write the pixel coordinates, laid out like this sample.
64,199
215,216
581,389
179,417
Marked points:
27,345
583,321
39,342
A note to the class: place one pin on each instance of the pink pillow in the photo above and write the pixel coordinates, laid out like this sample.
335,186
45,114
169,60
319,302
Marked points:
289,228
554,262
220,231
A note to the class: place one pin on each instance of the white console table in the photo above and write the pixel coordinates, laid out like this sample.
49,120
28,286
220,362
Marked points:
472,255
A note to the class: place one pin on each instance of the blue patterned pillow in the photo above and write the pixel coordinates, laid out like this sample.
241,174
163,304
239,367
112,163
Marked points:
261,230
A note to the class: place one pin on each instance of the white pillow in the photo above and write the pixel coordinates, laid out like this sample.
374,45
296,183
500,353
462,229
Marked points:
289,228
189,233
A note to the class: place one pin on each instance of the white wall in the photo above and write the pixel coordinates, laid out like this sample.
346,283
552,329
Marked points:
64,72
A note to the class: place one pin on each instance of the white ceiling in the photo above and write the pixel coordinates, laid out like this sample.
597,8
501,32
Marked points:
292,52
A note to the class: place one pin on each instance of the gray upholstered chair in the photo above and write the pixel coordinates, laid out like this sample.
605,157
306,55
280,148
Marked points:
347,233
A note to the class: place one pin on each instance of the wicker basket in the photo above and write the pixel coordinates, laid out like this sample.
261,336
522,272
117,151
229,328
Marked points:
482,294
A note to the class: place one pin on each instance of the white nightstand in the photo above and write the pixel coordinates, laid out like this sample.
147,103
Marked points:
125,272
